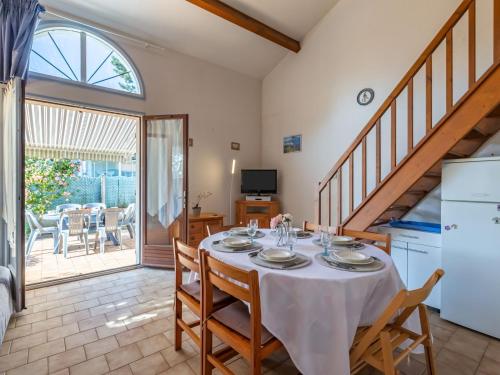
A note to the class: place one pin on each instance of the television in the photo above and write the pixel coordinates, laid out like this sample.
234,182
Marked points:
259,181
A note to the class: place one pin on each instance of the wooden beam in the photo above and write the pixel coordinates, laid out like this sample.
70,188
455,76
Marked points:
251,24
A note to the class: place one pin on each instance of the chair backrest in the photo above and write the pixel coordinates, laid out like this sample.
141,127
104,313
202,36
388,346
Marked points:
383,241
32,220
311,227
112,217
184,256
75,221
68,207
217,228
399,309
99,206
241,284
129,214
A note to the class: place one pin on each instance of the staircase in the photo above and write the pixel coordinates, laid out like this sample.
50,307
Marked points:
374,180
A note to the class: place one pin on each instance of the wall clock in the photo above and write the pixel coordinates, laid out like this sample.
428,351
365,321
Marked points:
365,96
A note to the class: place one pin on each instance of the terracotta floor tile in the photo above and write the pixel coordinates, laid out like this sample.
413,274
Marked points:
46,350
29,341
449,362
95,366
110,329
101,347
131,336
123,356
152,365
80,339
467,344
10,361
39,367
175,357
489,366
153,344
5,348
63,331
66,359
125,370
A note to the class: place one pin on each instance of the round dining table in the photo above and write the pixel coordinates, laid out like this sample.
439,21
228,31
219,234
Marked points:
315,310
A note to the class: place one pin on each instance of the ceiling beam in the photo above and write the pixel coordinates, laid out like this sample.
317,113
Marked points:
251,24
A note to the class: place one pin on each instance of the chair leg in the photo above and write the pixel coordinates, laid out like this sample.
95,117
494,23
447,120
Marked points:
119,238
102,239
130,229
29,245
86,240
65,244
178,329
55,236
429,357
95,241
256,364
387,355
206,350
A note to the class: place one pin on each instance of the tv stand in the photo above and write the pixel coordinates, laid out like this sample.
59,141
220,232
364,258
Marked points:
263,211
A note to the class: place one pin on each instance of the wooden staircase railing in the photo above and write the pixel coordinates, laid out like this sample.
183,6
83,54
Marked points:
336,185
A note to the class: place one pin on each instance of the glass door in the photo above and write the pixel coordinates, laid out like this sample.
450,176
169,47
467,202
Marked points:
12,186
164,184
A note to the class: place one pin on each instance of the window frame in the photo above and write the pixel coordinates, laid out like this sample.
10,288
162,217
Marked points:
83,57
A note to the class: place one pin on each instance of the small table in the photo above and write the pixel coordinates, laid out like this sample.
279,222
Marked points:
315,311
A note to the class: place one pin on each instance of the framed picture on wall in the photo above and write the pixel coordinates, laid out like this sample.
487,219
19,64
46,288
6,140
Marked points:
292,143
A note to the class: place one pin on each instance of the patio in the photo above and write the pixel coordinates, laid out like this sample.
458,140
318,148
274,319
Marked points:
43,265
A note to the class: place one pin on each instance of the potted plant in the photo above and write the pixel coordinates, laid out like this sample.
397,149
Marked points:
196,208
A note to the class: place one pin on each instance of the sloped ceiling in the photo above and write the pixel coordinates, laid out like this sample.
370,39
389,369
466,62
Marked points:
181,26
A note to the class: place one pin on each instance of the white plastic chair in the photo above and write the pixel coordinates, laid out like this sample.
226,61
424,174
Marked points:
74,223
36,230
128,220
112,224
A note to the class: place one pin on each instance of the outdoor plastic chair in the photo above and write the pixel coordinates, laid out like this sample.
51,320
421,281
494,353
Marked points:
73,223
68,207
95,206
112,224
36,230
128,220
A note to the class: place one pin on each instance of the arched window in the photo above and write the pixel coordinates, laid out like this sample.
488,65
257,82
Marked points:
75,54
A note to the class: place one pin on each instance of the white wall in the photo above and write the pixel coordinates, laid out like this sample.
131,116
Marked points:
223,106
358,44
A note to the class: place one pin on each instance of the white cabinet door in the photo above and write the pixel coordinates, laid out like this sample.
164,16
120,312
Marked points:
422,262
399,255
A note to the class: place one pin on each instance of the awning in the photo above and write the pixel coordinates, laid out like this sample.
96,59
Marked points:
56,132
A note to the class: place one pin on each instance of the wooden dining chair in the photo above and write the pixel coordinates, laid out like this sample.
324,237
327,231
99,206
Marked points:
217,228
382,241
375,345
190,294
234,325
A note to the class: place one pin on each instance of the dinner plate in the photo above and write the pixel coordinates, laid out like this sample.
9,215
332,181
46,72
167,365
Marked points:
239,230
276,255
351,257
341,240
236,242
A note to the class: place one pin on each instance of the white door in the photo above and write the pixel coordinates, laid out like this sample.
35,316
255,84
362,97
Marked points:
471,261
12,186
422,262
399,255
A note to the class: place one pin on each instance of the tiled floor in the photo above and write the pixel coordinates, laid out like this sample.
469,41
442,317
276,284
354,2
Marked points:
122,324
44,265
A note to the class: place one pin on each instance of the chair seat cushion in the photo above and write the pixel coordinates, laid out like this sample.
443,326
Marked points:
236,317
194,290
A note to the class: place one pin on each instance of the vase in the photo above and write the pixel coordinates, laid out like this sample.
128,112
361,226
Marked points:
282,234
196,211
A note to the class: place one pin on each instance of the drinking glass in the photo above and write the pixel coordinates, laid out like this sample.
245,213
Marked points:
292,238
253,225
325,241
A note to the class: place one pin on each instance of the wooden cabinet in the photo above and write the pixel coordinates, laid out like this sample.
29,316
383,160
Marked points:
262,211
197,227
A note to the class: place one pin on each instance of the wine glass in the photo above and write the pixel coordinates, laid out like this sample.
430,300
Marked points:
325,241
292,239
253,225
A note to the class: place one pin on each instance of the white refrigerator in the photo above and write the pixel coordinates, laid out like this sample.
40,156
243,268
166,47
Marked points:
470,219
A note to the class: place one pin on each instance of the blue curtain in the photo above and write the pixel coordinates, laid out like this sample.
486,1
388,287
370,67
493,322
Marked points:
18,21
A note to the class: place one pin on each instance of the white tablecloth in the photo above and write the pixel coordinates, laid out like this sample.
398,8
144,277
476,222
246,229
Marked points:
315,311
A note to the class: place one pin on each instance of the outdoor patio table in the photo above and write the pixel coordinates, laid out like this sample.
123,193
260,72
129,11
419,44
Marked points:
315,311
52,219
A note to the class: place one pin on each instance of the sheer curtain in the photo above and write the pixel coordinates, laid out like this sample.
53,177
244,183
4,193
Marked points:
165,162
10,116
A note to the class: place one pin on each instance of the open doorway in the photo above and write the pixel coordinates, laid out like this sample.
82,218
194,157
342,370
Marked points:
81,191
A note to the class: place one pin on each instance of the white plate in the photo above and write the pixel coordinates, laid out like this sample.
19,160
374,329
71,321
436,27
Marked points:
341,240
236,242
239,230
351,257
276,255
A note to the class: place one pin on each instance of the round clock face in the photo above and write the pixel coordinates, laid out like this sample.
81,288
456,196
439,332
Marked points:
365,96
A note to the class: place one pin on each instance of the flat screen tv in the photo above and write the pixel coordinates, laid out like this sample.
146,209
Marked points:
259,181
